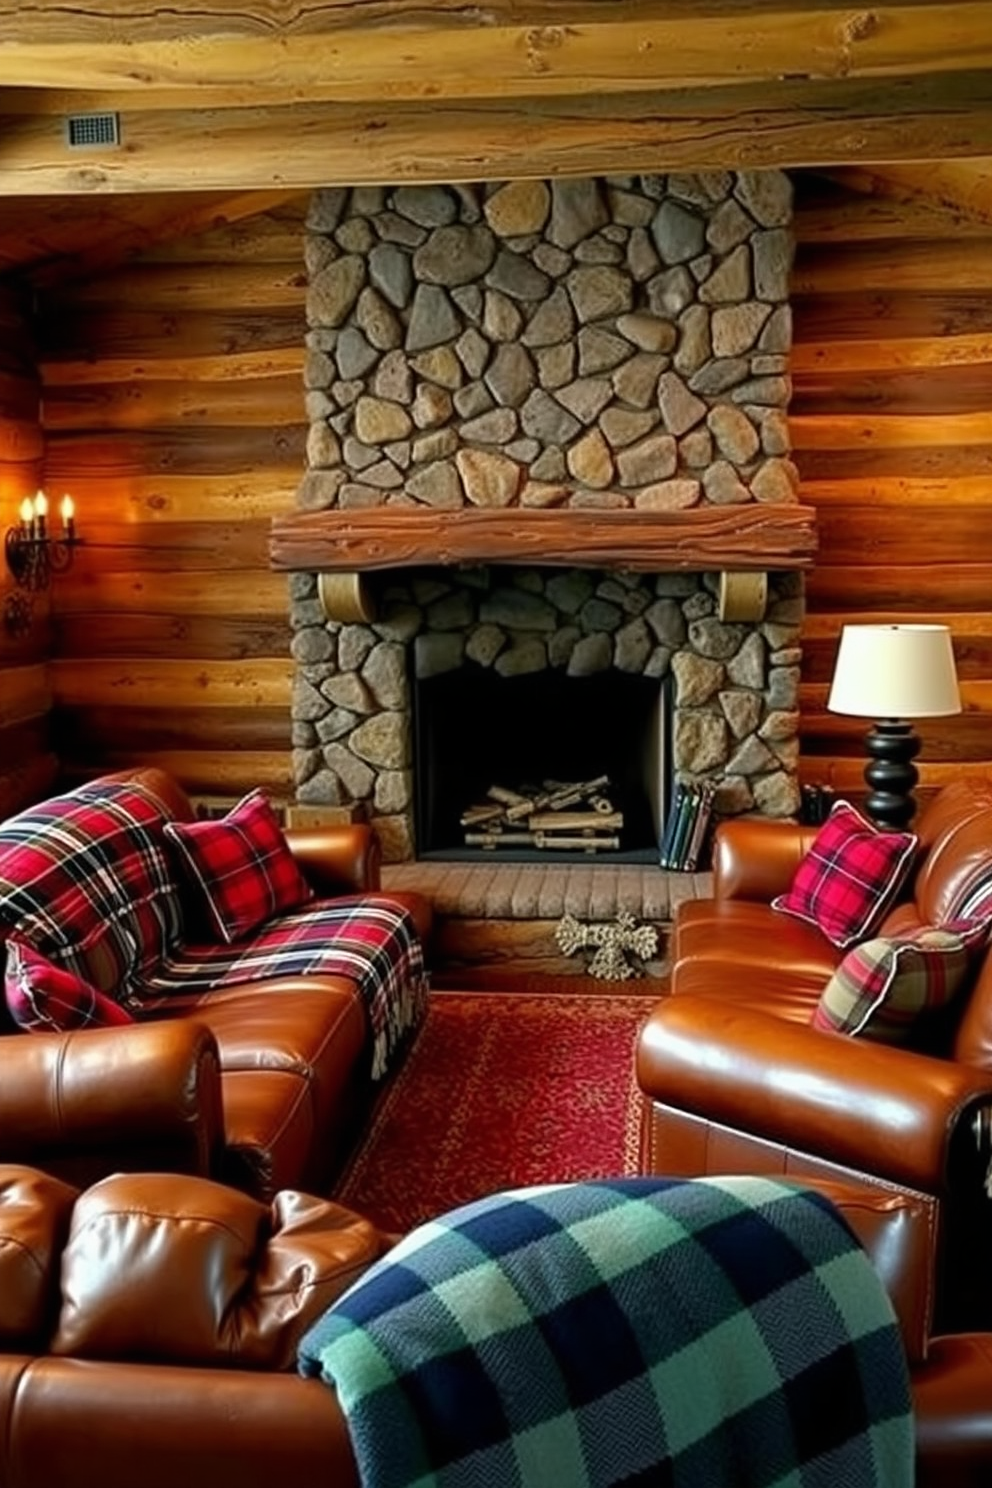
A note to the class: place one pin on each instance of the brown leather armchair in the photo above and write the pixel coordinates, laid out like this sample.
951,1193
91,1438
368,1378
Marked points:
149,1327
736,1079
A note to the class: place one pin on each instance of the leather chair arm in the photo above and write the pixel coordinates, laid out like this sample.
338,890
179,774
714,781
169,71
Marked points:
95,1101
755,858
337,860
902,1116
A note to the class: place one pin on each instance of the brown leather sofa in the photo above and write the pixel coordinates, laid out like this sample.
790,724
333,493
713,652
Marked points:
259,1085
736,1080
149,1326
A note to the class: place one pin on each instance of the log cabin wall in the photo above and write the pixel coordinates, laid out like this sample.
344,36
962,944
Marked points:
174,414
173,409
27,762
891,425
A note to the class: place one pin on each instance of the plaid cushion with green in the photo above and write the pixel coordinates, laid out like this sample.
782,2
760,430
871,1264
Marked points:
85,879
717,1331
242,866
849,877
369,938
884,988
973,898
44,998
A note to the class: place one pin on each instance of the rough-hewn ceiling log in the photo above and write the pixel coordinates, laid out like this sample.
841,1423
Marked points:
789,124
361,53
703,538
280,96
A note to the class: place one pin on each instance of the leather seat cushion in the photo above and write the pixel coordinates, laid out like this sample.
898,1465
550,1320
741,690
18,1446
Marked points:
740,932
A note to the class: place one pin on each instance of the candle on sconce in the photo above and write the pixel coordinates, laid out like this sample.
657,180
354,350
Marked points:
40,513
68,511
27,516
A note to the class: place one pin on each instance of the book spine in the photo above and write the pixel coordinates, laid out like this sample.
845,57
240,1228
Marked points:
694,852
684,827
667,836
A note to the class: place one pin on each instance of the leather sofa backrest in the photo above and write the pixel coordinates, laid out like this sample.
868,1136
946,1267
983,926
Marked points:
958,853
162,1268
35,1213
956,842
186,1271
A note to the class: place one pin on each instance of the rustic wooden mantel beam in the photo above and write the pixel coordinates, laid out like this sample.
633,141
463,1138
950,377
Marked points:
705,538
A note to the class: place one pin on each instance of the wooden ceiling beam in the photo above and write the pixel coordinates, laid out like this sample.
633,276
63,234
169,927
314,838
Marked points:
788,124
334,53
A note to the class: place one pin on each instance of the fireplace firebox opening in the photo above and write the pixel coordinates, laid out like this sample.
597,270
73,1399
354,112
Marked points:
535,735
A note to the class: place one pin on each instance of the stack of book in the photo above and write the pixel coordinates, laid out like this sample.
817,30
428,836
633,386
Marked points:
685,841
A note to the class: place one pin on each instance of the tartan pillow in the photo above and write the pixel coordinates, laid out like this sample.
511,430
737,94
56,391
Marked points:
883,988
242,865
849,877
86,878
45,998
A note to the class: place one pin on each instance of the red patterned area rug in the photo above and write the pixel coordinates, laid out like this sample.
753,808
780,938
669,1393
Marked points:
500,1090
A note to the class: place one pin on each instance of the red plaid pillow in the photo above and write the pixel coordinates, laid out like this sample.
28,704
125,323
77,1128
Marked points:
243,866
884,987
45,998
849,877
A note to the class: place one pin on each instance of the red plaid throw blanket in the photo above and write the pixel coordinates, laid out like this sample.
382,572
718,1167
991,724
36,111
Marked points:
369,938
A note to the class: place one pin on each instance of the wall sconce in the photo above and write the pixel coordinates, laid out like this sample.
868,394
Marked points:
34,555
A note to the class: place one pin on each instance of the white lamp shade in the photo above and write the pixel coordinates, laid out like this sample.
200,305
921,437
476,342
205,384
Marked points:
895,671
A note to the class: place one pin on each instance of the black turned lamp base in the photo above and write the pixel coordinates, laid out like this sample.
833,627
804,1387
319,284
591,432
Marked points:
890,773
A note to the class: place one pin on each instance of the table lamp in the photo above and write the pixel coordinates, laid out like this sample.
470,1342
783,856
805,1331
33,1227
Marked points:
894,673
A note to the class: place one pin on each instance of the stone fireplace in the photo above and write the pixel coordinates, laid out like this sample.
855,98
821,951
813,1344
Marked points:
608,348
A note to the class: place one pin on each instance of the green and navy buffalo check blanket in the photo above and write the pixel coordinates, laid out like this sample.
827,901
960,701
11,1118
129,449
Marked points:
674,1333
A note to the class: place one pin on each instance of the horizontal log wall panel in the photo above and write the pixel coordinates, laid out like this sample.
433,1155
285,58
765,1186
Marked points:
167,286
897,490
223,772
162,547
912,589
241,366
931,391
221,450
825,356
78,334
258,402
866,317
920,462
259,683
934,535
174,594
98,731
949,263
892,434
207,637
247,495
174,408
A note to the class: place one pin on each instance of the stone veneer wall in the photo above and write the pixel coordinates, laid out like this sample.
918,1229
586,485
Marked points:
616,342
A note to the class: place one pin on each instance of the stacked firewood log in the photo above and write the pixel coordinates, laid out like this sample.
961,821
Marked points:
558,815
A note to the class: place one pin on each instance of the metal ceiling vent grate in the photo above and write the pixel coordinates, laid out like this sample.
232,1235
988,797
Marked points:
87,131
